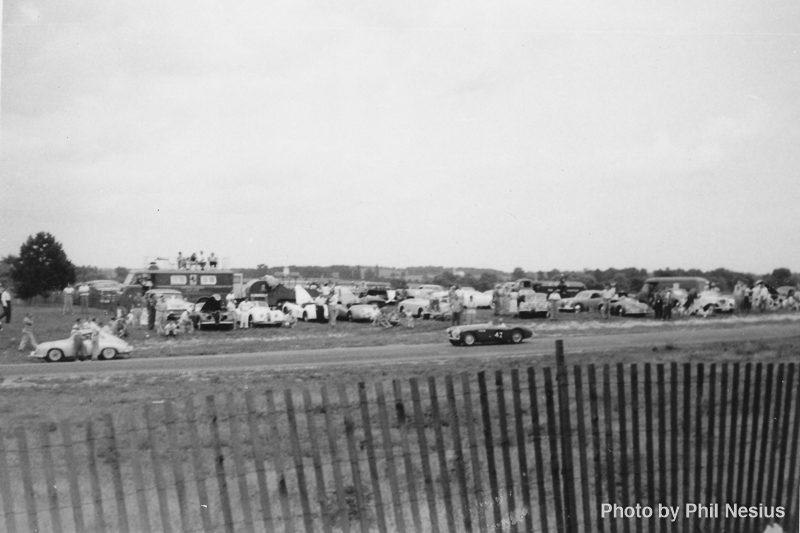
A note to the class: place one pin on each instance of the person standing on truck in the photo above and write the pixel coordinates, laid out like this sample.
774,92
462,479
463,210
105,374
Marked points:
212,261
201,260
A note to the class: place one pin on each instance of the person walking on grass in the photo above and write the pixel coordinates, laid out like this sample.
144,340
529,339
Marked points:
27,333
455,307
471,311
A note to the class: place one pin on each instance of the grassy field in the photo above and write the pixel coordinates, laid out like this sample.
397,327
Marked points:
43,402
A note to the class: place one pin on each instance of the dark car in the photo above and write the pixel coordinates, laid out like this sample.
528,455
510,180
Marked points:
487,333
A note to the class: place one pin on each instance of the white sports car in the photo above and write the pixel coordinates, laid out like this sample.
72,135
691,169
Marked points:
358,312
258,313
62,350
419,307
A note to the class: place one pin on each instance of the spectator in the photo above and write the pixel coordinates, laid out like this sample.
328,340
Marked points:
151,312
27,333
185,322
409,316
562,287
77,340
289,320
658,305
690,299
471,311
497,299
230,306
136,311
333,310
554,299
193,261
455,307
95,329
738,297
5,300
212,261
181,261
170,328
608,294
201,260
83,292
69,299
669,302
161,314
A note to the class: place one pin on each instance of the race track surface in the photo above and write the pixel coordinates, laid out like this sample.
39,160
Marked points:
539,347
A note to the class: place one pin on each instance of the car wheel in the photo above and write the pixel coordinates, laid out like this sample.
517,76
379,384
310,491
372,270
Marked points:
107,354
516,336
54,355
492,305
468,339
578,309
455,343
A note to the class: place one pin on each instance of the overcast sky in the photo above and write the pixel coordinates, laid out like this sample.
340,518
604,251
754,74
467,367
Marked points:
486,134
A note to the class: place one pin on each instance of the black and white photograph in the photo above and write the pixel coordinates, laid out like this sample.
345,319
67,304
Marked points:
399,267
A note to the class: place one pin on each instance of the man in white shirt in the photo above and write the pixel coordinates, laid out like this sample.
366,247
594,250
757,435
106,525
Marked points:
69,299
5,300
555,302
609,293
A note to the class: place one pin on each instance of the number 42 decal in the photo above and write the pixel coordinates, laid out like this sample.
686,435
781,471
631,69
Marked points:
498,334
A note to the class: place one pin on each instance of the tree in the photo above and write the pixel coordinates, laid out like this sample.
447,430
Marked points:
42,266
518,273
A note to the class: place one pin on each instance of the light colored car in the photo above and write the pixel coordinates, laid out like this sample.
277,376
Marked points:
63,350
422,291
360,312
258,313
627,306
481,299
176,303
419,307
210,311
533,304
583,301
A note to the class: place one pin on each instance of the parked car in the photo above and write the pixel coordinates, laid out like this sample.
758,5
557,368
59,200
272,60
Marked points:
209,311
627,306
481,299
487,333
361,312
103,291
583,301
63,350
419,307
422,291
176,303
258,313
378,297
532,304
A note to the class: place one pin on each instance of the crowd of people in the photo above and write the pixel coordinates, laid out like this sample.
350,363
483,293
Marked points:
196,261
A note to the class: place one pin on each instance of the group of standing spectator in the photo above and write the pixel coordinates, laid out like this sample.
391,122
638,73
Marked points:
459,305
68,295
196,261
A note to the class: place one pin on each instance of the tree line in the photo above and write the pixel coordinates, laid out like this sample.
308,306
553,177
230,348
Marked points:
42,267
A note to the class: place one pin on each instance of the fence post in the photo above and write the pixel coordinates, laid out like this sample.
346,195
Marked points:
566,440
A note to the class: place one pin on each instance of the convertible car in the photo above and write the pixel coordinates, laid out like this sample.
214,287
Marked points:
487,333
533,304
258,313
62,350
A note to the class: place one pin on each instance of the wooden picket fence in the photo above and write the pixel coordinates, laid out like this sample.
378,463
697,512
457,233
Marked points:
534,449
